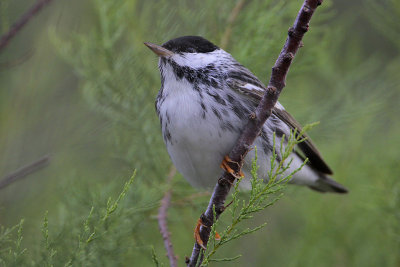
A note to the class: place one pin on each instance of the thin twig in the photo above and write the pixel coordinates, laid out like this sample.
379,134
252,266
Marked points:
232,17
13,63
24,171
162,219
255,123
22,21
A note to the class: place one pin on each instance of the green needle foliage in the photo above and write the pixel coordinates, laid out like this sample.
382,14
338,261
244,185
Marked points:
263,194
92,236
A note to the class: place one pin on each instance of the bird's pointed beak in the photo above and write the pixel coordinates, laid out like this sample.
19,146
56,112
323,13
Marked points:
159,50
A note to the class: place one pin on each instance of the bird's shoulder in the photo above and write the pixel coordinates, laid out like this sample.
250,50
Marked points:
244,82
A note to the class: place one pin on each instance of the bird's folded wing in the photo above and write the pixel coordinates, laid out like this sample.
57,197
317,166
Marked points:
246,87
307,146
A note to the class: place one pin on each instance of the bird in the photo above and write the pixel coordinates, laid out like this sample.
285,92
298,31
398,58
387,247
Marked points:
204,102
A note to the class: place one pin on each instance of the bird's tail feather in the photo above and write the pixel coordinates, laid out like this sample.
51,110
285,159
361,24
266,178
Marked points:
325,184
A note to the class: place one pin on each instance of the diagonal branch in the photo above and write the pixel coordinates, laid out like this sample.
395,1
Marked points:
162,220
22,21
256,121
25,171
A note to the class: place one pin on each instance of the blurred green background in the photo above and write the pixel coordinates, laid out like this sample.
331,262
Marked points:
78,84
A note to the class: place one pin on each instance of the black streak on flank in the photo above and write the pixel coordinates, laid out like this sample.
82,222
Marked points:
168,118
216,112
230,98
197,88
217,98
159,100
267,146
161,119
241,111
203,106
167,135
157,109
278,132
214,83
162,78
227,126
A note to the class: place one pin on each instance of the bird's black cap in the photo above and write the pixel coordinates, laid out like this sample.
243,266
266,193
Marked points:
190,44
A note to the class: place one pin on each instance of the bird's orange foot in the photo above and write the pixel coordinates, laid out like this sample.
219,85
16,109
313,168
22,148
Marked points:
197,233
225,165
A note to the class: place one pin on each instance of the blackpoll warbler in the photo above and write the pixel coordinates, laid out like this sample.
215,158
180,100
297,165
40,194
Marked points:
204,102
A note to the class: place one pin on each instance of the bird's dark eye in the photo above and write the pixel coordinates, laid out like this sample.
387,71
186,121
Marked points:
191,50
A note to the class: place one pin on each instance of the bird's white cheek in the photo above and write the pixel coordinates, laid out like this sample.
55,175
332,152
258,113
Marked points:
199,60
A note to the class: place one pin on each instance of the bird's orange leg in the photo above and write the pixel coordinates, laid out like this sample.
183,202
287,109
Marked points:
197,233
225,165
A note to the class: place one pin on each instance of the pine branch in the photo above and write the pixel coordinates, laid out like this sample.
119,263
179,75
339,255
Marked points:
256,121
162,220
22,21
